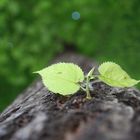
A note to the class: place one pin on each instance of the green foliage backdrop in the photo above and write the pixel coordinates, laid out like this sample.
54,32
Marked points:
33,32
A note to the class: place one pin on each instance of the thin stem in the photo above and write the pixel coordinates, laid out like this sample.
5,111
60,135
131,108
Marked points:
87,88
82,88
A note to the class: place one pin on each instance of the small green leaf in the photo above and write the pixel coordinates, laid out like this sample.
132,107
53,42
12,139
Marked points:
113,75
90,73
62,78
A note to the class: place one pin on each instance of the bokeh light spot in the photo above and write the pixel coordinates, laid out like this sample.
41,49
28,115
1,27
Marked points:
76,15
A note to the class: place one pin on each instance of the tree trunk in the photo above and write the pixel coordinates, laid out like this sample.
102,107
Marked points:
38,114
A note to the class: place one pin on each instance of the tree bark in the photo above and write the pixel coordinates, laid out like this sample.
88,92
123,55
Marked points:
38,114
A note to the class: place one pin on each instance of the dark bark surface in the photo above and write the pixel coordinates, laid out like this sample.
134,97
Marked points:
37,114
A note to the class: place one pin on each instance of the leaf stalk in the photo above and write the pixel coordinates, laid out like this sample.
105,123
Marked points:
87,88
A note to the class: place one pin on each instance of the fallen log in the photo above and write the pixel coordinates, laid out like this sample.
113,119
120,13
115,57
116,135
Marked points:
38,114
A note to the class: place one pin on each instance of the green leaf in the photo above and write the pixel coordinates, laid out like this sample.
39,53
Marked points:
90,74
113,75
62,78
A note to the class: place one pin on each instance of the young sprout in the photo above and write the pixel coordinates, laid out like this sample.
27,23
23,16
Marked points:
89,77
68,78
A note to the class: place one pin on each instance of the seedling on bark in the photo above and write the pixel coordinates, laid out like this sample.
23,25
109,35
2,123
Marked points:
68,78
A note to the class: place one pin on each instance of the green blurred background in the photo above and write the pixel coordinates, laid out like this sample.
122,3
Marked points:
33,32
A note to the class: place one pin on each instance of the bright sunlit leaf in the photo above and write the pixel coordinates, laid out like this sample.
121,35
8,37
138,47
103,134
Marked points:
113,75
62,78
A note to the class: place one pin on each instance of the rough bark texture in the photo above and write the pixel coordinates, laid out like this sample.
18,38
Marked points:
37,114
